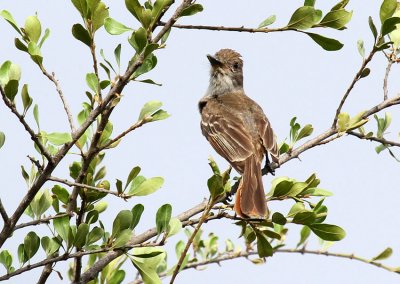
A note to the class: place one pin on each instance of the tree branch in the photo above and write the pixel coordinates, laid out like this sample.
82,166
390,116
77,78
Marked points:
21,118
39,221
74,184
228,29
385,80
52,78
3,213
352,84
373,138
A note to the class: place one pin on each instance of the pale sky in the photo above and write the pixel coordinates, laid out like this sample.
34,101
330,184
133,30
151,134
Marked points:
286,73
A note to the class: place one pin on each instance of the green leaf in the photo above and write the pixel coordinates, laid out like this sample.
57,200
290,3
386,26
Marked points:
58,138
174,227
81,235
6,259
328,232
140,39
93,82
95,234
92,217
372,27
304,18
62,227
387,9
268,21
159,8
326,43
14,72
31,244
9,18
99,15
383,255
11,89
306,131
137,211
22,257
147,187
309,3
133,173
304,218
365,72
343,121
264,248
114,27
360,47
149,108
122,221
34,52
215,185
147,267
148,81
191,10
81,34
36,115
101,206
336,19
296,208
163,217
117,54
4,70
20,45
81,6
2,139
342,4
135,8
389,25
26,99
282,188
149,63
44,202
278,218
33,29
304,234
122,238
46,35
159,115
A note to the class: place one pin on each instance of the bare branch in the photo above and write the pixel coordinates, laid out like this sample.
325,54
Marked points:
52,78
352,84
21,118
40,221
3,213
228,29
385,80
118,137
376,139
74,184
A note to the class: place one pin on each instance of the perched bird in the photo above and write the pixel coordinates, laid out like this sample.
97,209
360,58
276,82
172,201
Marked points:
238,130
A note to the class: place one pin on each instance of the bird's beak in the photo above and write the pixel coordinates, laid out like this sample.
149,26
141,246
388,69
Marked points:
214,61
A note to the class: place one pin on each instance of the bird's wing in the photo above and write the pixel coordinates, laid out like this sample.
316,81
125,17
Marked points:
268,137
227,135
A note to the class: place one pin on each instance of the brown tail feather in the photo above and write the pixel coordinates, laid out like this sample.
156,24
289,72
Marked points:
250,197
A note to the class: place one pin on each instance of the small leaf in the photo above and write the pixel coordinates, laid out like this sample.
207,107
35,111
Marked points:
9,18
62,227
81,34
326,43
174,226
149,108
133,173
304,218
148,186
215,185
372,27
36,115
191,10
137,211
148,81
383,255
117,54
26,99
304,234
122,221
304,18
93,82
11,89
328,232
365,73
95,234
147,267
264,248
343,121
6,259
99,15
31,244
160,115
306,131
336,19
389,25
2,139
46,35
163,217
81,235
57,138
32,28
135,8
278,218
122,238
268,21
114,27
360,47
387,9
342,4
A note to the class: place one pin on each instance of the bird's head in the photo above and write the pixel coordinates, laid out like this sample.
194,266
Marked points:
226,70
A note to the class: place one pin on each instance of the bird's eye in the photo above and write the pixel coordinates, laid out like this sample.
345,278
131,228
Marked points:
236,66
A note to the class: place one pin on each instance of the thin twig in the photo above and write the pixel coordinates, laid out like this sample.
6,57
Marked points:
45,220
190,240
3,213
52,78
228,29
385,80
32,133
74,184
373,138
352,84
118,137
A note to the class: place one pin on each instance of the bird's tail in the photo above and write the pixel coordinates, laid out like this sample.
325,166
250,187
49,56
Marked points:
250,197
